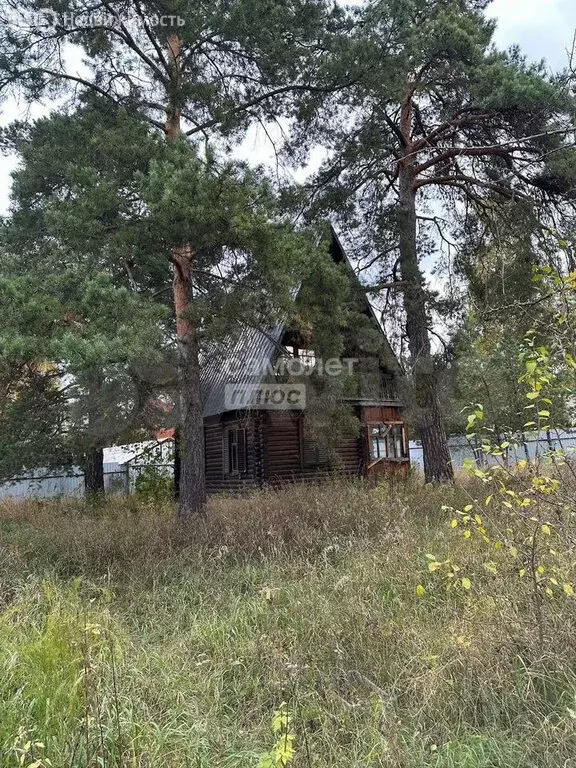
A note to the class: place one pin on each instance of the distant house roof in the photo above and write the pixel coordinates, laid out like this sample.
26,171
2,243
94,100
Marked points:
236,359
149,450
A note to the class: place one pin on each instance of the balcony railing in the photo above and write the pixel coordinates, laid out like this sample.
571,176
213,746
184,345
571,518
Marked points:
373,386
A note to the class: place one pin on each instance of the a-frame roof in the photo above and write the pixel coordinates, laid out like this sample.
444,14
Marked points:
339,256
236,360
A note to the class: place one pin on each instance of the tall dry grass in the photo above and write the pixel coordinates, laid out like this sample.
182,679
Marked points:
128,639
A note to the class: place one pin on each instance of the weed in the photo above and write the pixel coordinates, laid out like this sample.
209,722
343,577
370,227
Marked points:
130,640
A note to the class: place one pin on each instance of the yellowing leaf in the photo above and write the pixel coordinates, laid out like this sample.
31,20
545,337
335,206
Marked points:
454,523
546,530
420,590
568,589
466,583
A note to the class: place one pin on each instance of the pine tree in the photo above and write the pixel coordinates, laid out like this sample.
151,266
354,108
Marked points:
434,121
78,347
187,67
99,204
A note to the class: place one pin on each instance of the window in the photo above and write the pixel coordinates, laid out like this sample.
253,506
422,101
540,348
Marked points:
387,441
314,453
235,453
306,356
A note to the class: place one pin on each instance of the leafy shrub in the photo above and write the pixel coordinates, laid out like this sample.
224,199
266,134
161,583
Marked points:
153,486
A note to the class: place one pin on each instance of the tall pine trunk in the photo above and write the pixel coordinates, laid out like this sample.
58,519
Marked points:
190,433
176,464
428,412
93,464
94,473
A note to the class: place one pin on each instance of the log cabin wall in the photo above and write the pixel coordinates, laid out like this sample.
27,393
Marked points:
275,449
284,451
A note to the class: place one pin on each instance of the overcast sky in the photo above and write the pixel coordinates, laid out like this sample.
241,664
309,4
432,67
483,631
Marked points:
542,28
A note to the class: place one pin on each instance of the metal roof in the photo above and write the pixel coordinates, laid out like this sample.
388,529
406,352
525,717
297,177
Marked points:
239,360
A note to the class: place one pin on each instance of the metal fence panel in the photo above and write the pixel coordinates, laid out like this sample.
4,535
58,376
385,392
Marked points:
44,483
462,449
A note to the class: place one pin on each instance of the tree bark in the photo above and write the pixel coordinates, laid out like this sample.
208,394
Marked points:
191,480
190,434
94,473
94,456
177,464
428,412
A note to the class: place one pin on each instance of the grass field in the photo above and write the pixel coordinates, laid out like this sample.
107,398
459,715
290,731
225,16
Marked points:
128,640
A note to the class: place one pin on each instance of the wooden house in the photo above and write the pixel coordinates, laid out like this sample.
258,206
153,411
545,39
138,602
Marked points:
249,445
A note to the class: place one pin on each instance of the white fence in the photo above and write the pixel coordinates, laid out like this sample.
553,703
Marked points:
123,464
46,483
461,449
49,484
